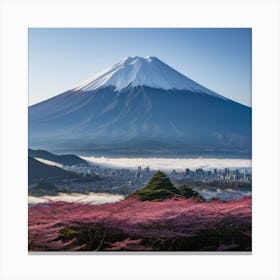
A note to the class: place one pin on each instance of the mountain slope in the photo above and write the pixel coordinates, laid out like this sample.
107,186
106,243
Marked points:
38,170
139,106
62,159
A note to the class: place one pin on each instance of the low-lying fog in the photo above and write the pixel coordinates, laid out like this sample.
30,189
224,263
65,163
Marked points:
223,194
102,198
91,198
179,164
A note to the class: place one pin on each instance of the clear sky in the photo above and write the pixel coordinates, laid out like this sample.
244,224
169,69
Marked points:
217,58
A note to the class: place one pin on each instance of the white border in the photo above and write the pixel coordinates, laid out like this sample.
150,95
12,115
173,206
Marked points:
262,16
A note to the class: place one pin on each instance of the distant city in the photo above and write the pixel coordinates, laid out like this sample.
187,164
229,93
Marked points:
124,181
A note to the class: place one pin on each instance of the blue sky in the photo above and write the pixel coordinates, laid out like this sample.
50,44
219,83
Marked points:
217,58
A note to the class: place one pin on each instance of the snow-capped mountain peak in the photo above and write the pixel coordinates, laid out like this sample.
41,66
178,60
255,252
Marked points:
142,71
170,114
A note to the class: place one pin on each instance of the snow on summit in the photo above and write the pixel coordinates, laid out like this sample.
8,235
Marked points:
143,71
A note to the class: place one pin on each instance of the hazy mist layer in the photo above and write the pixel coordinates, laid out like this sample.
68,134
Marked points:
168,164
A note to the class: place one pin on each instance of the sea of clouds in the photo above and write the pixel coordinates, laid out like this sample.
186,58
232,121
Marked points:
91,198
168,164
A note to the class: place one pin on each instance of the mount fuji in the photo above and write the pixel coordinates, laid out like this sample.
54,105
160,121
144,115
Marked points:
141,106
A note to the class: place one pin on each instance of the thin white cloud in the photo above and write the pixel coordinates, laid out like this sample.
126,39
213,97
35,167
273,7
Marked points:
49,162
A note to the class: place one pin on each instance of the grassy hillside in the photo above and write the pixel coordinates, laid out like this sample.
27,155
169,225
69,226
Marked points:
43,188
160,188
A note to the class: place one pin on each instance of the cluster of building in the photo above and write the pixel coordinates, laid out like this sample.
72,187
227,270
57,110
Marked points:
124,181
200,175
121,181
